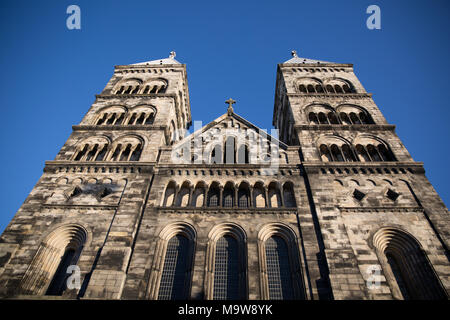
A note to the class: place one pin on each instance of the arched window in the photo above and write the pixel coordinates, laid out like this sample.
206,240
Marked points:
365,118
288,195
171,271
347,152
175,273
385,153
344,118
213,195
183,196
243,154
226,269
47,273
58,284
332,118
128,86
216,154
243,196
338,89
406,267
91,149
154,86
302,88
228,195
274,195
226,274
354,118
322,118
373,152
259,196
169,195
126,148
313,118
330,89
362,153
230,150
336,153
325,153
199,195
278,269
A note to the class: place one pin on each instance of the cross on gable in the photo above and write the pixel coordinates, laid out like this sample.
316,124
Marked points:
230,102
230,105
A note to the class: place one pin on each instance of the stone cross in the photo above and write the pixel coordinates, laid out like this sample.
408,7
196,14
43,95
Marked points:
230,105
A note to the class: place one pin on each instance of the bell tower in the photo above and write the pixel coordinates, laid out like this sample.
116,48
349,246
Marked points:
86,208
361,180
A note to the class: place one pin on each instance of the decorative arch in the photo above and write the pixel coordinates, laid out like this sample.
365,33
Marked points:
126,148
226,266
259,195
229,195
335,148
321,114
158,85
214,195
309,85
339,86
274,195
127,86
406,267
169,194
141,115
183,195
47,271
371,148
280,268
92,149
243,195
111,115
199,194
353,114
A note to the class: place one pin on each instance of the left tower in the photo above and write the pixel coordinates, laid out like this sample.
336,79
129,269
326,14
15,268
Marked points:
86,208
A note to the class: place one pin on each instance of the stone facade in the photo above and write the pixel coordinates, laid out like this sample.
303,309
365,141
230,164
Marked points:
357,215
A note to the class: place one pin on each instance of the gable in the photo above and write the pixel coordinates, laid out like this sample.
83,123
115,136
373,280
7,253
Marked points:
229,139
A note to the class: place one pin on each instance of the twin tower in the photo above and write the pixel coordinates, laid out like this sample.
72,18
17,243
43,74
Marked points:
331,207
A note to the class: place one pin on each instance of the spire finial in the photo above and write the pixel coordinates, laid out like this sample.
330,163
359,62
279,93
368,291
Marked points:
294,53
230,105
172,54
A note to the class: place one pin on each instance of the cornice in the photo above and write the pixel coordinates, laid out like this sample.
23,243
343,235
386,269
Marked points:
80,206
352,127
181,66
380,209
363,167
222,210
136,95
220,170
315,65
99,166
330,95
83,127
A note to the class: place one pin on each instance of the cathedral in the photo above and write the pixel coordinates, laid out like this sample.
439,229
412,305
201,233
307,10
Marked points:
329,205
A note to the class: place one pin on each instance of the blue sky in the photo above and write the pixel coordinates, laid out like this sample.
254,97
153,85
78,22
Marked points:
49,74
